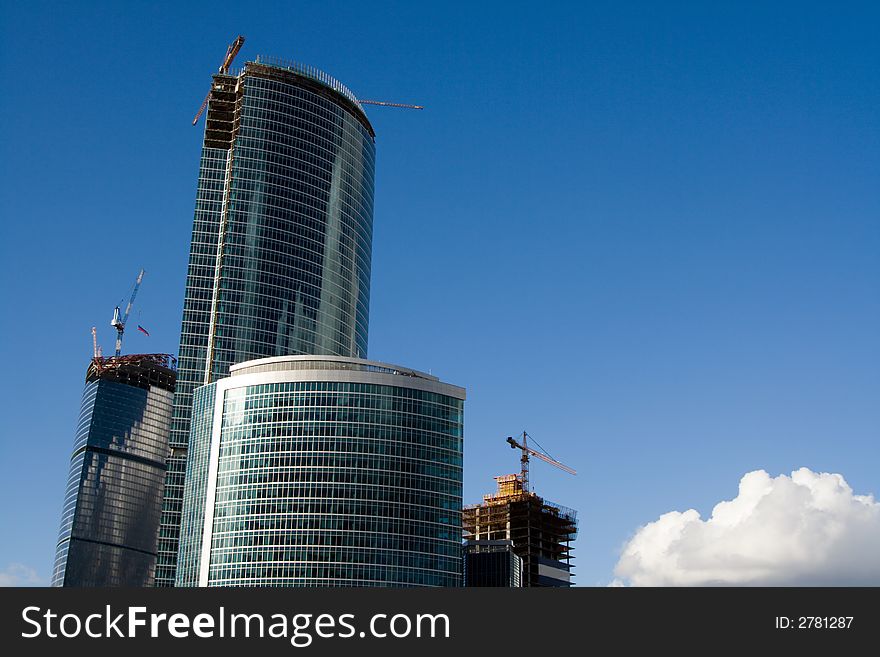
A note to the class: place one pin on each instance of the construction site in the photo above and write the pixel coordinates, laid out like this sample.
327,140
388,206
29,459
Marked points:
541,531
138,370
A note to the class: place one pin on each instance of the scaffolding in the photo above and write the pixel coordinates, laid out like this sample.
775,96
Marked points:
541,531
139,370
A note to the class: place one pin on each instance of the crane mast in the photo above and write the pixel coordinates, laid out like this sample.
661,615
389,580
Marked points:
95,348
119,322
524,459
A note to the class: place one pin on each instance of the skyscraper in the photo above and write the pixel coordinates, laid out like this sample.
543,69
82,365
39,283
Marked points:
281,243
324,471
110,520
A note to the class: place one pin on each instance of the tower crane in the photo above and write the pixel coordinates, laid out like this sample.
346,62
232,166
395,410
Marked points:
231,52
524,459
119,322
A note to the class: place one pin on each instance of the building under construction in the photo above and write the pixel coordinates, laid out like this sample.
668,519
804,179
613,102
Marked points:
138,370
541,531
110,521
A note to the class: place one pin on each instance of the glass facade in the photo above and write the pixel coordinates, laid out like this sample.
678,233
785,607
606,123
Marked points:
281,242
193,509
324,472
110,519
491,563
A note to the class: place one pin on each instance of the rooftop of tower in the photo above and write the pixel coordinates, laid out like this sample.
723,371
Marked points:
138,370
276,363
319,80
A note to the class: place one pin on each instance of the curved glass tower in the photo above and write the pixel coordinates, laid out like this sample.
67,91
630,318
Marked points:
323,471
281,243
111,510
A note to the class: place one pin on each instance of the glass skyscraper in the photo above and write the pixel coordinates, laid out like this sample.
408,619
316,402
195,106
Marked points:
110,519
281,243
324,471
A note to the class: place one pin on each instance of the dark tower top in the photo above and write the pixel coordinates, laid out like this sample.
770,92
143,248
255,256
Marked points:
139,370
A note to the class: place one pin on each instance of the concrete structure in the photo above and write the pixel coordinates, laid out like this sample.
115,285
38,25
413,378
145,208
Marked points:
110,521
324,471
281,243
541,531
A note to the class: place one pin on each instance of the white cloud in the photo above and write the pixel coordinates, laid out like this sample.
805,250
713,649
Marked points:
807,529
16,574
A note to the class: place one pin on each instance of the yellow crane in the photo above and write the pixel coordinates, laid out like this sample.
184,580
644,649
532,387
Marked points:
528,451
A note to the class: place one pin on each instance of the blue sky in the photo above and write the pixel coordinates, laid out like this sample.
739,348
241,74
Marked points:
646,233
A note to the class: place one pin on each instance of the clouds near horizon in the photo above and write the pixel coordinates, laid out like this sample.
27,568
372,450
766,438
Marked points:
807,529
17,574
